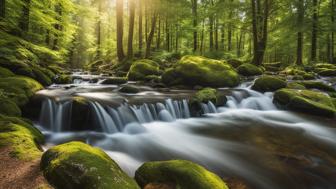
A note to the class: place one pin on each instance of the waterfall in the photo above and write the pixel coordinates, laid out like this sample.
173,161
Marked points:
56,116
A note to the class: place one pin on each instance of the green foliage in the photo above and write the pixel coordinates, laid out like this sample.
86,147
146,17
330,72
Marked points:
180,173
4,72
78,165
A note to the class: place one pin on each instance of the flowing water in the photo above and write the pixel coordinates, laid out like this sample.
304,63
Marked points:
248,139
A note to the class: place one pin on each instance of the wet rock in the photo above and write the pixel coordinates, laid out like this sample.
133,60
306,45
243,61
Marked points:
311,102
268,84
178,173
249,70
115,81
78,165
80,115
235,62
317,85
197,70
129,89
143,68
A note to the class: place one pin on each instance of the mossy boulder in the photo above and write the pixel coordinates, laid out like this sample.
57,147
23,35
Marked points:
129,89
115,81
325,69
21,137
197,70
19,89
78,165
268,84
63,79
41,77
142,68
295,85
209,94
235,62
4,72
179,173
306,101
9,108
249,70
317,85
327,72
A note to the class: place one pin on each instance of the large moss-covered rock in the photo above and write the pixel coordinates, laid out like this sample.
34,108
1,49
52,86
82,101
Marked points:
209,94
63,79
197,70
78,165
142,68
4,72
129,89
19,88
179,173
20,137
235,62
325,69
249,70
268,84
41,77
306,101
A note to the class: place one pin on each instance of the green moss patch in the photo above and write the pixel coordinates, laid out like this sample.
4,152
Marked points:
249,70
142,68
21,137
305,101
197,70
268,84
78,165
317,85
4,72
181,173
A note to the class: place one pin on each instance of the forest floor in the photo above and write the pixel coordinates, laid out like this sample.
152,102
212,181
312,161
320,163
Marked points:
18,174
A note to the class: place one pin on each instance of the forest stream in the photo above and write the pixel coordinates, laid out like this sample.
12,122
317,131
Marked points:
249,138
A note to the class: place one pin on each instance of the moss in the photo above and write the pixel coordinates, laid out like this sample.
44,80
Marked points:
235,62
13,65
9,108
94,66
268,84
129,89
63,79
41,77
21,137
181,173
78,165
197,70
153,78
305,101
317,85
115,81
142,68
205,95
4,72
327,72
295,85
28,72
249,70
324,66
19,88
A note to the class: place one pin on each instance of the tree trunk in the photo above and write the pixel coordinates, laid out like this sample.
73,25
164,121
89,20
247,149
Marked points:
99,41
57,26
300,20
194,12
131,28
24,20
222,38
202,37
158,40
167,35
151,36
216,34
314,31
120,29
2,9
140,27
333,12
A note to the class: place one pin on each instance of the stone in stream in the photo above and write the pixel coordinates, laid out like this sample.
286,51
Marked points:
129,89
140,69
249,70
198,70
325,70
177,174
306,101
268,84
78,165
114,81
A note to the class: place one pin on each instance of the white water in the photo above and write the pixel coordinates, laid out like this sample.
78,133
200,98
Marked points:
133,135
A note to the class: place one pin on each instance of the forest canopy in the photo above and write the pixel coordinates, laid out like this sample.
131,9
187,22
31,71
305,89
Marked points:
79,32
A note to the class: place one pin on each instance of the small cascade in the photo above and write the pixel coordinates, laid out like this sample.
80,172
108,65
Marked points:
56,116
249,99
209,108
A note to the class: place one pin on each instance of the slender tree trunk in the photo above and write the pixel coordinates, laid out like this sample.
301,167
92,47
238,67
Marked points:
222,38
176,37
195,23
158,40
120,30
300,20
57,26
131,28
167,35
99,41
151,36
216,35
202,37
24,20
2,9
333,12
140,27
314,31
211,38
